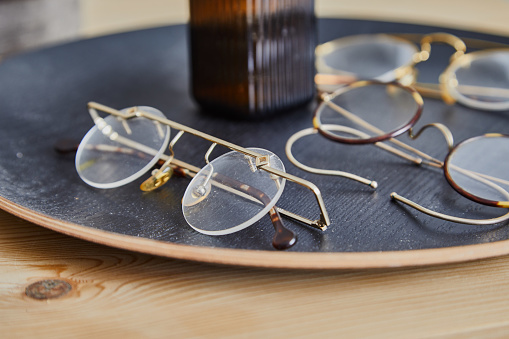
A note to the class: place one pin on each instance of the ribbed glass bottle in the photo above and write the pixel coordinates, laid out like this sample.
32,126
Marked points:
251,58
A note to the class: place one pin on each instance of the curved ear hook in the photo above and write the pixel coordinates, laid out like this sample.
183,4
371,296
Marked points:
442,216
310,131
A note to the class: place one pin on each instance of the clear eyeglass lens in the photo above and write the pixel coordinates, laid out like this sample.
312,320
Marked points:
374,110
117,151
481,167
365,56
481,80
230,193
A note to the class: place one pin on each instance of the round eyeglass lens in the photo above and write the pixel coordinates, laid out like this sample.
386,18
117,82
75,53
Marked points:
378,111
121,150
481,80
365,56
479,169
230,193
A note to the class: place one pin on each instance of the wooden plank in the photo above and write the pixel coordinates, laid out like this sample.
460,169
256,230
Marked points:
127,294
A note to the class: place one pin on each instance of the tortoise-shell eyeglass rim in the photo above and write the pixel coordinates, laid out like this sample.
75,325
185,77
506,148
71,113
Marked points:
458,188
327,101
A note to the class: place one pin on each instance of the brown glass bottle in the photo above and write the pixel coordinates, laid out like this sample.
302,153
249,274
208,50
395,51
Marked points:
251,58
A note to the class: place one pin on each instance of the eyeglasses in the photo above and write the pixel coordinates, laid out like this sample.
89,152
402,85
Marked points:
229,194
477,79
477,168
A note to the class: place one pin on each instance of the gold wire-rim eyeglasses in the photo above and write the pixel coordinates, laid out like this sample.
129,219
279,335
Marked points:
416,156
161,175
485,96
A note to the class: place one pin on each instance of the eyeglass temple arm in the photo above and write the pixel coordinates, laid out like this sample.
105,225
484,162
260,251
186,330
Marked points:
293,160
345,129
439,91
442,216
484,179
352,117
371,183
324,220
321,223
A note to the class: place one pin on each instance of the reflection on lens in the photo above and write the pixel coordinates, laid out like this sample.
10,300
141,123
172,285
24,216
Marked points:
377,110
366,56
480,80
117,151
230,193
479,168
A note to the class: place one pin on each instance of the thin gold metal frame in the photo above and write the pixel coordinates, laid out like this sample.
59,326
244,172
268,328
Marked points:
407,73
422,158
261,162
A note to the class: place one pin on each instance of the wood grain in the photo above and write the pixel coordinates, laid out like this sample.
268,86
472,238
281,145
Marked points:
124,294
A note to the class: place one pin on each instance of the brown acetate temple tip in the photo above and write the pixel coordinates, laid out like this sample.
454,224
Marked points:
284,239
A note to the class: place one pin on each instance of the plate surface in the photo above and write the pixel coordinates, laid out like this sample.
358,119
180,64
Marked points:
44,95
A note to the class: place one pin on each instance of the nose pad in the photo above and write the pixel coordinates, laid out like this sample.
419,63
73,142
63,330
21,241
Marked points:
158,179
199,192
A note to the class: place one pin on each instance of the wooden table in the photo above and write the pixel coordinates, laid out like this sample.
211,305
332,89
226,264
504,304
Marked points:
117,293
125,294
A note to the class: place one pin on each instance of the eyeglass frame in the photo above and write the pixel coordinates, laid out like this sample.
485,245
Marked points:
377,141
407,73
261,162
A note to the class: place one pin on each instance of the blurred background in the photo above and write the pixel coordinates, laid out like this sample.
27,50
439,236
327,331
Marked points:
32,23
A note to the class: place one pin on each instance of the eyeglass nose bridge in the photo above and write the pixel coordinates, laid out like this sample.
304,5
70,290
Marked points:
446,132
445,38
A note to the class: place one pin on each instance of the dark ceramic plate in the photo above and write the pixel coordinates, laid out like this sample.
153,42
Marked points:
43,97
